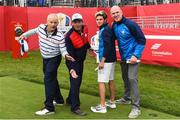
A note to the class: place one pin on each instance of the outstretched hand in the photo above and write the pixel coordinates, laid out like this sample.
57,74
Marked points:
68,57
91,52
73,73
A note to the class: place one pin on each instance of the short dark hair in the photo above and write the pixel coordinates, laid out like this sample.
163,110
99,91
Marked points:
101,13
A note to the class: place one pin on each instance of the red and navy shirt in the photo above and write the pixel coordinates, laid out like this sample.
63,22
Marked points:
77,44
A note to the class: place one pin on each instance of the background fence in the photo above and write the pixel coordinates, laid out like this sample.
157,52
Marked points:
158,22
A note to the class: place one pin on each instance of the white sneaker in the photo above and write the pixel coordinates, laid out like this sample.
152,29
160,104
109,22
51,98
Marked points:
110,104
99,109
134,113
44,111
57,104
123,101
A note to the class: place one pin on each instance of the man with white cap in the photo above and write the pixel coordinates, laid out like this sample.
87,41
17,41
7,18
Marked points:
52,46
77,46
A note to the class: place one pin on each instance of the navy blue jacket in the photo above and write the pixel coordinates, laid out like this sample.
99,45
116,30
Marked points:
106,44
131,40
78,54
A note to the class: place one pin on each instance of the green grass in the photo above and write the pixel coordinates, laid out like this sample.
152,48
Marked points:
159,86
17,102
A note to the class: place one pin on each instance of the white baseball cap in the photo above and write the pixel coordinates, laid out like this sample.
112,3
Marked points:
77,16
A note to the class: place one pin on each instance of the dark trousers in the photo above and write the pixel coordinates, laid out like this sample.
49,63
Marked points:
52,91
74,98
129,76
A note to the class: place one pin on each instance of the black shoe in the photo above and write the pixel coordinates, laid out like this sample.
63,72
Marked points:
79,112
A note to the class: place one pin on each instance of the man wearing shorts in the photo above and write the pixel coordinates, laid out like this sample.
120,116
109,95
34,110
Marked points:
107,58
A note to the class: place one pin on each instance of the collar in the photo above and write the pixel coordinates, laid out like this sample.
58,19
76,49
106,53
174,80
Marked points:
105,24
121,21
53,34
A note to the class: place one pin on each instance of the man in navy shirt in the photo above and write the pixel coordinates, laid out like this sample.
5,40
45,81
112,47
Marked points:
77,45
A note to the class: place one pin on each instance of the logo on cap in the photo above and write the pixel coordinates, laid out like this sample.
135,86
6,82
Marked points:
76,16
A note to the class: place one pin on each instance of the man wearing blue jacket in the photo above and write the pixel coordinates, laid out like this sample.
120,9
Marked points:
131,43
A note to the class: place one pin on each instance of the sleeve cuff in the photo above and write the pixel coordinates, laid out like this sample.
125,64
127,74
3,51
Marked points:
137,56
64,53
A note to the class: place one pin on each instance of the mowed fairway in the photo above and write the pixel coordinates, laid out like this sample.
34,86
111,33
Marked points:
20,99
22,91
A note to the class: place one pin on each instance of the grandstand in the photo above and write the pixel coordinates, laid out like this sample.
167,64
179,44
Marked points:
83,3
